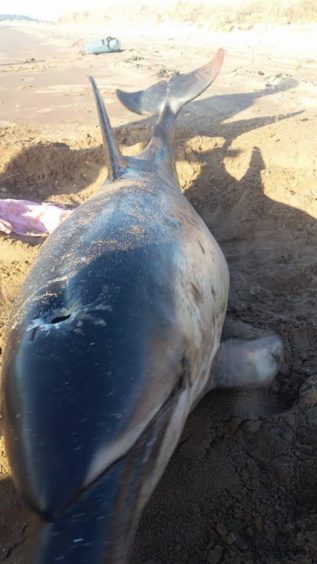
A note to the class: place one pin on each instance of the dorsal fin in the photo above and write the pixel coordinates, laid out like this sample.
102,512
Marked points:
116,162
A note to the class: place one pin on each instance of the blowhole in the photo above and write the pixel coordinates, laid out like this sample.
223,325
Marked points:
60,318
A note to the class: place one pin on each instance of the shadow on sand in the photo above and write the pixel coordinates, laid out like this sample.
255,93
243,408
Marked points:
47,169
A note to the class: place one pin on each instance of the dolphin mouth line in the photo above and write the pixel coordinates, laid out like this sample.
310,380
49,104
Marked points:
145,441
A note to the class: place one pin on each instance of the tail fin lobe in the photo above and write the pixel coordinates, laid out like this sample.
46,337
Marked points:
177,92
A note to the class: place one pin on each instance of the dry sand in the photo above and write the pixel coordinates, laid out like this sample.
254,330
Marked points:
241,487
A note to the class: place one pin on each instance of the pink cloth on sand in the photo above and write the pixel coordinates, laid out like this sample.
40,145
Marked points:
30,218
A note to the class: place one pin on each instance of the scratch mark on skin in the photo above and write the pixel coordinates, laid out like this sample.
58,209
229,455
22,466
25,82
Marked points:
202,248
197,293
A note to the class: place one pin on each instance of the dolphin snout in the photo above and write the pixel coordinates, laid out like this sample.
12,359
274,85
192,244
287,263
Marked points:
91,529
98,524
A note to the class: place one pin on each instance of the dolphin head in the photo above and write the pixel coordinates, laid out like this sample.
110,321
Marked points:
95,397
98,524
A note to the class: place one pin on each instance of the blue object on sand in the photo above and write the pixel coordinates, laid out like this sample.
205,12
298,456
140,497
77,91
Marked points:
108,45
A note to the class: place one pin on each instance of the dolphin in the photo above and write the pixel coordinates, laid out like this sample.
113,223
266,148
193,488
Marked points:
113,339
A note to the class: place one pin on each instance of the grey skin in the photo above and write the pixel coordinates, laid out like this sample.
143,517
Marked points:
113,340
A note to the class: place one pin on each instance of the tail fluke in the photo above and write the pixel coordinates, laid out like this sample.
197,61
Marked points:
116,162
178,91
165,98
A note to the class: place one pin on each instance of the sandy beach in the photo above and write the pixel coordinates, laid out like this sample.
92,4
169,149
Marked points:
241,487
